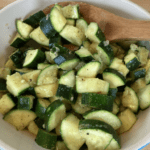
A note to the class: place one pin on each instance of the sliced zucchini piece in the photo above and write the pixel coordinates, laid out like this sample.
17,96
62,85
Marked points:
46,140
73,35
115,108
144,97
80,108
105,52
66,61
147,66
147,76
20,118
23,29
113,77
46,91
33,57
55,40
94,33
72,139
16,84
4,72
34,19
71,22
38,36
23,70
70,11
42,66
118,64
95,85
104,115
54,114
138,73
90,70
143,55
50,56
16,58
100,132
99,101
31,77
40,108
10,64
80,65
18,41
82,25
138,84
33,128
131,61
6,103
25,102
84,54
86,44
128,119
68,79
113,92
67,93
48,75
53,23
130,99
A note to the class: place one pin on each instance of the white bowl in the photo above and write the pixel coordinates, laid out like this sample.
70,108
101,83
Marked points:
10,139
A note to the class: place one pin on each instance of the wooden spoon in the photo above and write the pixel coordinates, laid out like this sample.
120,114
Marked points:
114,27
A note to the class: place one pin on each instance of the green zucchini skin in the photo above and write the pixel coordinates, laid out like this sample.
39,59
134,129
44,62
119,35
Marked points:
55,40
115,72
47,27
97,124
39,122
99,101
34,19
18,43
46,140
133,64
16,58
138,73
3,87
67,92
31,91
113,92
24,102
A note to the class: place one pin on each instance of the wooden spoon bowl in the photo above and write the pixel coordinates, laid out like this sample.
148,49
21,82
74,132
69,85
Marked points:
114,27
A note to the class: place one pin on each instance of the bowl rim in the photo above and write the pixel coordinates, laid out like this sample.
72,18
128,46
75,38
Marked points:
146,140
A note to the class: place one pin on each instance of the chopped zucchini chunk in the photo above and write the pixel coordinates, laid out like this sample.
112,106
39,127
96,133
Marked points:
79,107
46,91
4,72
144,97
105,116
71,22
138,84
6,103
95,85
82,25
31,77
48,75
147,77
113,77
20,118
60,145
33,128
46,140
23,29
68,78
3,86
94,33
38,36
70,11
42,66
128,119
33,57
99,101
70,132
97,134
73,35
25,102
54,114
16,84
130,99
92,47
131,61
119,65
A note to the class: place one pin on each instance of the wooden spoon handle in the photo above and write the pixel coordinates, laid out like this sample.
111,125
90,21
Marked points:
127,29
